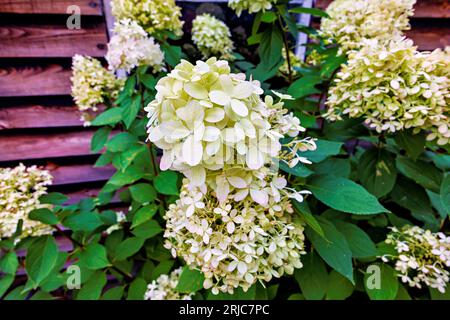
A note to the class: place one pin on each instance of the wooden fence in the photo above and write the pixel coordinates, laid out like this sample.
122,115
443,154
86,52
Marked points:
39,123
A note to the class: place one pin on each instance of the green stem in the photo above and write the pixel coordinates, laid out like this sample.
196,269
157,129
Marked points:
286,45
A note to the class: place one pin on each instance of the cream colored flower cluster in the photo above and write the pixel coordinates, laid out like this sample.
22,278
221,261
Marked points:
395,87
212,37
131,47
20,190
236,242
353,21
152,15
92,84
251,6
233,219
163,288
205,117
423,257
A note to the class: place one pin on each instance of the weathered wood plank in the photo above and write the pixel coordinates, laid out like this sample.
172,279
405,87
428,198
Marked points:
78,173
36,80
42,146
38,116
52,41
430,38
423,8
87,7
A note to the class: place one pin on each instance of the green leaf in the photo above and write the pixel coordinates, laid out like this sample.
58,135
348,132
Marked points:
147,229
162,268
338,287
5,282
128,247
312,11
137,289
130,112
436,295
92,289
41,257
143,215
312,277
94,256
149,81
16,294
304,86
130,175
121,142
324,150
143,192
55,198
333,166
377,172
359,242
9,263
413,144
104,159
421,172
344,195
190,280
44,215
381,283
99,139
268,17
172,54
335,250
129,155
270,47
109,117
84,221
445,193
305,214
115,293
166,183
300,170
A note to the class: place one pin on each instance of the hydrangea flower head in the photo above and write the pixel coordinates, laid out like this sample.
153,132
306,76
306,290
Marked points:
423,257
234,243
352,21
212,37
394,87
163,288
205,117
251,6
131,47
92,84
20,190
152,15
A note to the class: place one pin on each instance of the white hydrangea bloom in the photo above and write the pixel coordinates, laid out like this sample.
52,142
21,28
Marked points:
152,15
251,6
131,47
120,219
212,37
204,118
20,190
353,21
423,257
163,288
237,242
394,87
92,84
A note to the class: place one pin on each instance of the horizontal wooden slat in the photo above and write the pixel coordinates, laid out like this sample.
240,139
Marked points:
35,80
52,41
79,195
430,38
41,146
38,116
79,173
87,7
422,9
